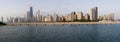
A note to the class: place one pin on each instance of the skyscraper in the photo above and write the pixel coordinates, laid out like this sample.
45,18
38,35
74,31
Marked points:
94,14
31,12
38,16
30,15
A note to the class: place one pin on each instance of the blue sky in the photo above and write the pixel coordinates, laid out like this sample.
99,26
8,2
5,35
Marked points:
19,7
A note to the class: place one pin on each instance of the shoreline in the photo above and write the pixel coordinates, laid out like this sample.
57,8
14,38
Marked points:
55,23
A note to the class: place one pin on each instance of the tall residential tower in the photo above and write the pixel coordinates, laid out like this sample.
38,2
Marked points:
79,15
94,14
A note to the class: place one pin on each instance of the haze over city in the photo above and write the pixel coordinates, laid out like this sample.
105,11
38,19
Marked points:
19,7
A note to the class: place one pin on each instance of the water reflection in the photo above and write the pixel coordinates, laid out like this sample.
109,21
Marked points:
60,33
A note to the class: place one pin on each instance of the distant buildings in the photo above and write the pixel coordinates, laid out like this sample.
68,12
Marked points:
87,17
62,18
73,16
94,14
100,18
109,17
56,17
30,15
38,16
79,15
70,17
49,18
1,19
31,12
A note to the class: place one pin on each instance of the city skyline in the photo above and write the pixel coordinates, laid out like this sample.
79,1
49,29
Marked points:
70,17
19,8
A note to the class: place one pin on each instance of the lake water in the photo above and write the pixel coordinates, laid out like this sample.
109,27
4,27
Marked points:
61,33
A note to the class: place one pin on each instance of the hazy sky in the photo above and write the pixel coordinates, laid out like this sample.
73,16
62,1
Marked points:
19,7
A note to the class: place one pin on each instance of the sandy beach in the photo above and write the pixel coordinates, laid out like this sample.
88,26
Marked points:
47,23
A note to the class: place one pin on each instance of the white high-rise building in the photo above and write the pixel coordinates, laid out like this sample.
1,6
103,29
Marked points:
28,16
55,18
79,15
38,16
72,16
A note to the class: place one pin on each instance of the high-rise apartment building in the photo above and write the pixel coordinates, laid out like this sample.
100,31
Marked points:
28,16
94,14
38,16
87,17
79,15
55,17
73,16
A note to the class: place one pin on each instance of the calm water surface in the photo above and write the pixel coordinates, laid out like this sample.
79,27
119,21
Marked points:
61,33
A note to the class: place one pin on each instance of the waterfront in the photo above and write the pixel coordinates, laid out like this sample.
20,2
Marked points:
59,23
61,33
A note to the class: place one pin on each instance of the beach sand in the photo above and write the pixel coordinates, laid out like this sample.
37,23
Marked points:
47,23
